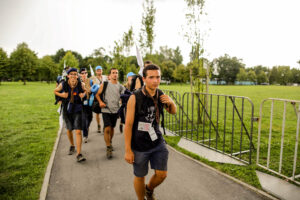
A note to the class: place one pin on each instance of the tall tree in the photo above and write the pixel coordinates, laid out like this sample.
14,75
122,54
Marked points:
128,41
70,60
146,36
242,75
4,63
23,62
251,76
262,77
193,32
48,69
228,68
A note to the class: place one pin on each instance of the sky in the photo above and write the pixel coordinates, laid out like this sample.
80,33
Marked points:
260,32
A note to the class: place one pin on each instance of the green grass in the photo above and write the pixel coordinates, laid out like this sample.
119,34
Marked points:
256,94
246,173
28,128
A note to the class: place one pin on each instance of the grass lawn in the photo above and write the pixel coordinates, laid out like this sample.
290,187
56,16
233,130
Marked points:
232,136
28,128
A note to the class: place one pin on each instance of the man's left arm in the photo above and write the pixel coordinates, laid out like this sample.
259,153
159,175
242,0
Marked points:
170,105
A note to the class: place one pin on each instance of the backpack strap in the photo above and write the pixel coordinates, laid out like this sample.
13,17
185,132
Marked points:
138,101
161,110
102,95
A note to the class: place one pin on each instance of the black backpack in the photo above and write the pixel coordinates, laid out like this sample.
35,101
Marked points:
102,95
133,81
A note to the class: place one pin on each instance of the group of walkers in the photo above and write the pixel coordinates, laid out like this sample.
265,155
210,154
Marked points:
140,106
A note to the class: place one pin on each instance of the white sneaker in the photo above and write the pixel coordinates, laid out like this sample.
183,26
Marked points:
85,139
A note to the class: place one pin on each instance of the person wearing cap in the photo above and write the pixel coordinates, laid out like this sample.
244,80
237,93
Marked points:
98,79
87,114
73,92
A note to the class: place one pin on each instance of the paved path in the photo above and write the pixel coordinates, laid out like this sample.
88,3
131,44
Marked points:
99,178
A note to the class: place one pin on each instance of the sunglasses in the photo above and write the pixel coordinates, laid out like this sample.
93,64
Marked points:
83,73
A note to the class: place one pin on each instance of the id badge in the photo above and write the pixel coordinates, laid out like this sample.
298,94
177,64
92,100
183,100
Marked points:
152,134
143,126
85,102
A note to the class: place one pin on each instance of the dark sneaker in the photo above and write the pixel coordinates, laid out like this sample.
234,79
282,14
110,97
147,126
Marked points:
149,194
80,158
99,129
109,152
72,150
121,128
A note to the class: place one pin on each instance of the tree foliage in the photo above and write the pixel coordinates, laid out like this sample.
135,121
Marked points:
70,60
23,62
4,64
146,36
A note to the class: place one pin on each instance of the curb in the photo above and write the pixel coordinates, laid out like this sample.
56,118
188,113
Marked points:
227,176
44,189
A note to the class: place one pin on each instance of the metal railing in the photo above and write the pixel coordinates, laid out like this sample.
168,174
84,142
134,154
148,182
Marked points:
288,133
211,120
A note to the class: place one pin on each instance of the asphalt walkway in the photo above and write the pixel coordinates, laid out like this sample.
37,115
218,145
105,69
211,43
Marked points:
100,178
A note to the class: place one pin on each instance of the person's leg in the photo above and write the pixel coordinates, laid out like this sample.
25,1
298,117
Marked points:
107,135
78,141
157,178
70,136
98,122
139,186
111,133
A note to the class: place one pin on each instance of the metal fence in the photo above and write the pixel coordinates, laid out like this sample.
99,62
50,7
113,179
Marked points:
278,135
223,123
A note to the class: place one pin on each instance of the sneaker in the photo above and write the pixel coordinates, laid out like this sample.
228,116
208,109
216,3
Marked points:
121,128
85,139
109,152
71,150
99,129
80,158
149,194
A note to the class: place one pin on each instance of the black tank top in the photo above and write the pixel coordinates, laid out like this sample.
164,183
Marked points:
145,113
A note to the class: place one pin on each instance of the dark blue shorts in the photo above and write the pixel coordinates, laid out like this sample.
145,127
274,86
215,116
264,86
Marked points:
158,157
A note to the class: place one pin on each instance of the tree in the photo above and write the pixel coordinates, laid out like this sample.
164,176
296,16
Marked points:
70,60
128,41
23,62
228,68
193,32
4,63
251,76
284,75
167,68
262,77
59,55
48,69
146,36
274,76
181,73
242,75
177,57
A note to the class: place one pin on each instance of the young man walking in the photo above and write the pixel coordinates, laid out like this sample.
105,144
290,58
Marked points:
110,104
73,92
87,114
99,79
144,142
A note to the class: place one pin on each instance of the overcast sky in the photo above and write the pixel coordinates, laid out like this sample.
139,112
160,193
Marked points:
260,32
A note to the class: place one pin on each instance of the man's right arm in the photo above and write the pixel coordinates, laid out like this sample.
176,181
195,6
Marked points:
129,156
101,103
57,92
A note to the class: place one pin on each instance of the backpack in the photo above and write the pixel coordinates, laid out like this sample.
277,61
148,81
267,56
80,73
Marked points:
133,81
139,102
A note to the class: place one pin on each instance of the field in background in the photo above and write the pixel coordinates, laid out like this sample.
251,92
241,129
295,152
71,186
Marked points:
28,128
